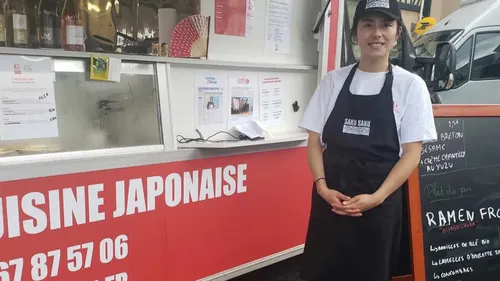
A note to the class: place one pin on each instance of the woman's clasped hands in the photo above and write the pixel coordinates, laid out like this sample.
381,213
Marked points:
344,205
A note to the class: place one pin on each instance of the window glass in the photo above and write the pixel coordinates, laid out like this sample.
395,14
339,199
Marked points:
486,64
463,63
97,115
425,45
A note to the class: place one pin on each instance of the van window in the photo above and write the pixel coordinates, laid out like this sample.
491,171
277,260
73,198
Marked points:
425,45
486,64
463,63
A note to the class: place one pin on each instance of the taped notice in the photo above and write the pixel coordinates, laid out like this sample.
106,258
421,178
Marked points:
28,104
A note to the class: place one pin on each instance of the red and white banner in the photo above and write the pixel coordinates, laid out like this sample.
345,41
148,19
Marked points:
175,221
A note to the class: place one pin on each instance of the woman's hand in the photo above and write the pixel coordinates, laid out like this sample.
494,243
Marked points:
336,199
362,202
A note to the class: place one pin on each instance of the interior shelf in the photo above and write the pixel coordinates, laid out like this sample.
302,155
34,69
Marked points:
57,53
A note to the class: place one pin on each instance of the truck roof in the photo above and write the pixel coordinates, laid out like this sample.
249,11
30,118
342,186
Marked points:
470,16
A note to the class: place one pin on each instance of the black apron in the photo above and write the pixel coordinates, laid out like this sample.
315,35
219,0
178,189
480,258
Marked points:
362,147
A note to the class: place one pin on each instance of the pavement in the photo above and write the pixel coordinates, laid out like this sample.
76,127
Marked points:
287,270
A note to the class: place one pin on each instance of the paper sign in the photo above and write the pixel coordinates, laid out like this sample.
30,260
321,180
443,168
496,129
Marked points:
27,98
231,17
278,26
272,110
104,68
243,90
210,95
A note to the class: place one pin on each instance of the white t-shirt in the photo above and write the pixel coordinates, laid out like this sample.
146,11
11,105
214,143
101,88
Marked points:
412,104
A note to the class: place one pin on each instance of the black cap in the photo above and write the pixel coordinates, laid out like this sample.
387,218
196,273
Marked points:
387,7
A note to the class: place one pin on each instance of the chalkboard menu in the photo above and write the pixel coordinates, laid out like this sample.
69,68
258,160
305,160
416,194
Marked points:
460,200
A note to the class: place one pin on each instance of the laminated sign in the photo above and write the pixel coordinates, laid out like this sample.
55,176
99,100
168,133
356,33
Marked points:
105,68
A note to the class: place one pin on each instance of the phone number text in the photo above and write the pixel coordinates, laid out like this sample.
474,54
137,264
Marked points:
76,257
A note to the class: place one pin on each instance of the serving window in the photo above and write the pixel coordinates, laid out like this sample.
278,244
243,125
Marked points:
97,115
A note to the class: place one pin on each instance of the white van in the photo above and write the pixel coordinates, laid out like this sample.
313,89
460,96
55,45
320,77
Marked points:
474,31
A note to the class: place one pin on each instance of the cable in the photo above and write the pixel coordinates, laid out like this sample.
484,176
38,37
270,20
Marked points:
182,139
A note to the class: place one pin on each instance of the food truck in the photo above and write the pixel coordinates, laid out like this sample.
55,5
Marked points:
120,157
134,151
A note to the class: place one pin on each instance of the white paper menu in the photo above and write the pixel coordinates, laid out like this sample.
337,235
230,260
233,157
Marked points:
27,100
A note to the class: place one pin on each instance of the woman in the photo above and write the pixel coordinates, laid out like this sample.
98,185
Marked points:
372,118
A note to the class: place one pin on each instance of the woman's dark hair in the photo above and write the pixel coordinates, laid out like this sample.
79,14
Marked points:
354,30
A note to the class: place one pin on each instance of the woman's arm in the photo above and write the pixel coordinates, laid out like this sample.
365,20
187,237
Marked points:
398,175
417,126
315,157
401,171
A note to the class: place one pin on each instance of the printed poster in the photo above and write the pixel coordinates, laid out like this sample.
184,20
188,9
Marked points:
27,98
278,26
243,90
272,110
211,90
231,17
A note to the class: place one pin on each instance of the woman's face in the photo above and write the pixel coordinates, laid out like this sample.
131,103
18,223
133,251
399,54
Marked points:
376,35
